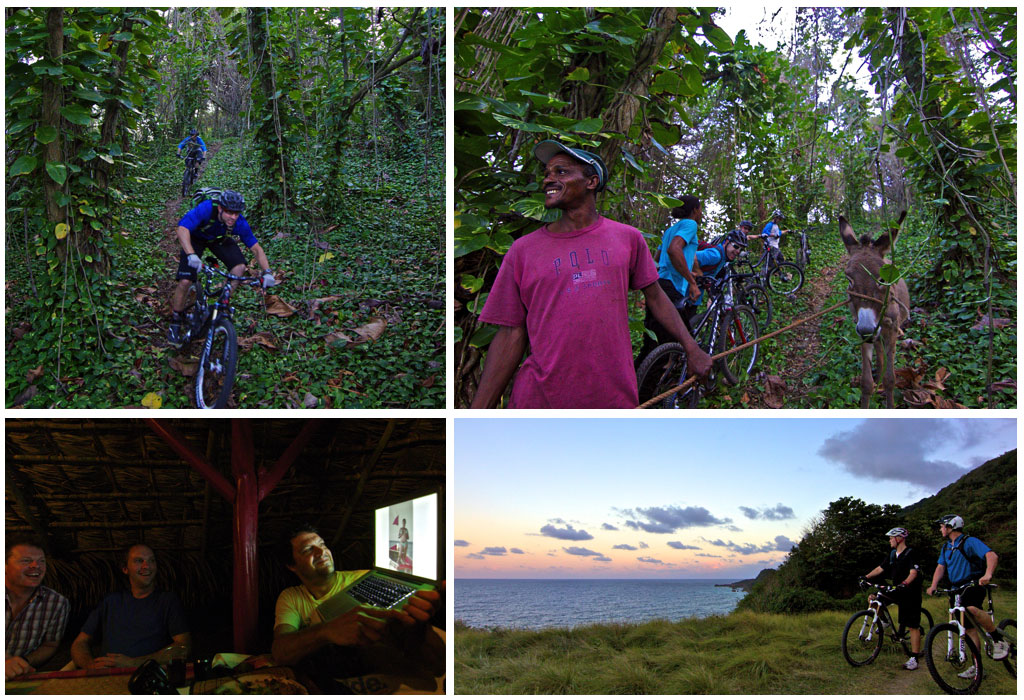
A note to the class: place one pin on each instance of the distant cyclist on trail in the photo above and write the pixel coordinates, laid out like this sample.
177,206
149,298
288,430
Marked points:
771,234
901,564
195,146
210,225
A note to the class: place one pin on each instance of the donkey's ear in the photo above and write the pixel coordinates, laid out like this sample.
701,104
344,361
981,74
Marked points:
846,233
885,242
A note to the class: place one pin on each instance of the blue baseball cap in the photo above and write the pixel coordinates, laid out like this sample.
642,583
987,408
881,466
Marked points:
546,150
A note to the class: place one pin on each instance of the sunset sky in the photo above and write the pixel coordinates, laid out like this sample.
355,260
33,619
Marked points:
684,497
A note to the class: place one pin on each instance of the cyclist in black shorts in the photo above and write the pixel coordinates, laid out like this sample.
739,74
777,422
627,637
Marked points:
210,225
903,567
965,558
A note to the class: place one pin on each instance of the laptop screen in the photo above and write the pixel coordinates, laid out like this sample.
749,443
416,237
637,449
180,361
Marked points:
405,537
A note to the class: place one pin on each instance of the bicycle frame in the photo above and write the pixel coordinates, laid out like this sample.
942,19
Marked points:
205,314
881,611
957,619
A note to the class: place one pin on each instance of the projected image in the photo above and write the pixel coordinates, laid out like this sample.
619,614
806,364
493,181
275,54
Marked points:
400,552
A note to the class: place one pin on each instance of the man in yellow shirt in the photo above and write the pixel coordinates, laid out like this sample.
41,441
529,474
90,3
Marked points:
343,643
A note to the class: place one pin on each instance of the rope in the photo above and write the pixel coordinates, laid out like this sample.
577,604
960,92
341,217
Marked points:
689,382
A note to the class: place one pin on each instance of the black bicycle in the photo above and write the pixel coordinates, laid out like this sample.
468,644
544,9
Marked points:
722,327
208,315
778,275
750,292
952,657
192,161
865,631
804,254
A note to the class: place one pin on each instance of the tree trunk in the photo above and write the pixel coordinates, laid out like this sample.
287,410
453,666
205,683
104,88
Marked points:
51,92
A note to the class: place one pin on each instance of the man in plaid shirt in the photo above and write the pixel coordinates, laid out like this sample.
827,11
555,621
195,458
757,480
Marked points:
36,614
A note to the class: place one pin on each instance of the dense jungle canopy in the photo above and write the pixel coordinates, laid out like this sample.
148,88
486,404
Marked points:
860,112
329,121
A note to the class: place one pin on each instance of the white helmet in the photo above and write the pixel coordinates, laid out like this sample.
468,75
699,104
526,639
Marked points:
897,532
953,520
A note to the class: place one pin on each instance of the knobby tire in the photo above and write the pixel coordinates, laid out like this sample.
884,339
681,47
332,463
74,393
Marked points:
945,669
739,326
664,368
755,296
1009,630
217,364
777,282
858,648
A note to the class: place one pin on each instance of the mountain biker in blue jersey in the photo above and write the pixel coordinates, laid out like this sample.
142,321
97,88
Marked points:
211,225
195,144
902,565
965,559
771,234
713,261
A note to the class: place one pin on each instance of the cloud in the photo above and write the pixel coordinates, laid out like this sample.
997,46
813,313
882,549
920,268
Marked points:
902,449
650,560
780,544
643,545
581,552
709,556
516,550
779,512
473,555
668,519
601,559
460,543
628,547
680,545
608,526
566,533
494,551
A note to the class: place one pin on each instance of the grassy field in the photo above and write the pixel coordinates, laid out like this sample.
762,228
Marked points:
738,653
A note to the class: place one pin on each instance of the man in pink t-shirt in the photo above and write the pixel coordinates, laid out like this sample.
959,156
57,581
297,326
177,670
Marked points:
563,289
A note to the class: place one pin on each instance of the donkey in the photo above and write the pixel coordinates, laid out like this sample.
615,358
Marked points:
877,327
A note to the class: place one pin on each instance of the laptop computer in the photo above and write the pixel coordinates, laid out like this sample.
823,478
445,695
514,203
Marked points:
407,552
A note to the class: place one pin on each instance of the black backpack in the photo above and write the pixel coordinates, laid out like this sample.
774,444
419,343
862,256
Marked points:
977,565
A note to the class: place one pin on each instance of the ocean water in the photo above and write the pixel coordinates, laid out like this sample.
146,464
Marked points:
535,604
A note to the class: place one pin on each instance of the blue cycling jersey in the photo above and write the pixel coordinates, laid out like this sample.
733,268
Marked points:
197,218
199,140
963,558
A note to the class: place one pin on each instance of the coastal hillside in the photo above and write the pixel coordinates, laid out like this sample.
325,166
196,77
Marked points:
741,653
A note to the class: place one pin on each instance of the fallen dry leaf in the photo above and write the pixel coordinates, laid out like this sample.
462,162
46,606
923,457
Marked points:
187,367
276,306
264,338
310,401
372,330
774,391
332,338
34,374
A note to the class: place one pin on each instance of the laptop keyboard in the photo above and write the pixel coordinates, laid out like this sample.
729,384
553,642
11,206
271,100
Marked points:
382,593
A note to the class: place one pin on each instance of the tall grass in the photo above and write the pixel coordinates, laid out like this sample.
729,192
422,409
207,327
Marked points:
740,653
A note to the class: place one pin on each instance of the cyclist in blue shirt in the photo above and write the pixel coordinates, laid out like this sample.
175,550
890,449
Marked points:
211,225
195,143
965,558
772,233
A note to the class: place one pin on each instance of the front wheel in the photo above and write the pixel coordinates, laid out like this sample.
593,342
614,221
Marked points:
953,659
664,368
217,364
755,296
1009,630
739,327
862,638
186,181
786,278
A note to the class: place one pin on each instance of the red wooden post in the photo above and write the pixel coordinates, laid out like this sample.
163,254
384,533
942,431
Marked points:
246,574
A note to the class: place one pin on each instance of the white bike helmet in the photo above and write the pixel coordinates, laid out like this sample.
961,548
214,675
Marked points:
953,520
897,532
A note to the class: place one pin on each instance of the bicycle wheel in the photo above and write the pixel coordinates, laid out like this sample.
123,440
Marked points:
862,639
186,181
1009,630
739,327
217,365
926,624
949,655
786,278
661,370
755,296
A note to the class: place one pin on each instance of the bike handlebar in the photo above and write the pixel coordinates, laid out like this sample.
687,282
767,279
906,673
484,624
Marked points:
963,587
210,269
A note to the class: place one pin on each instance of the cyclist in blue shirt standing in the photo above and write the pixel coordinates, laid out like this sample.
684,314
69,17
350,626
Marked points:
772,233
211,225
967,558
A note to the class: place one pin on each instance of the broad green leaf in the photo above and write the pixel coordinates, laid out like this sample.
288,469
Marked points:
589,126
122,36
89,95
717,36
464,245
581,73
77,114
477,304
20,126
519,124
61,231
57,172
668,81
483,336
22,166
888,273
663,200
46,134
152,400
471,283
693,79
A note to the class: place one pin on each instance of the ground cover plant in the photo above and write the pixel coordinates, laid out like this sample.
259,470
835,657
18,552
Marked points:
675,105
328,121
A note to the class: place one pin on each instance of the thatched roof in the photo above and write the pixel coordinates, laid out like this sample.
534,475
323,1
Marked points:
91,487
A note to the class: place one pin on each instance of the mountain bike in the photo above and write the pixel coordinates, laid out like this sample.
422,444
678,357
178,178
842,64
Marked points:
777,275
750,292
804,254
208,315
865,631
722,327
950,653
192,160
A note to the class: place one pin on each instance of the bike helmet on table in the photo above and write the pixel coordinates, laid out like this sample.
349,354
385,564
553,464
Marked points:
232,201
897,532
737,238
953,520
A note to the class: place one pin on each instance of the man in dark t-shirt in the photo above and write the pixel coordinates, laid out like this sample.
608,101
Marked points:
901,565
136,624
